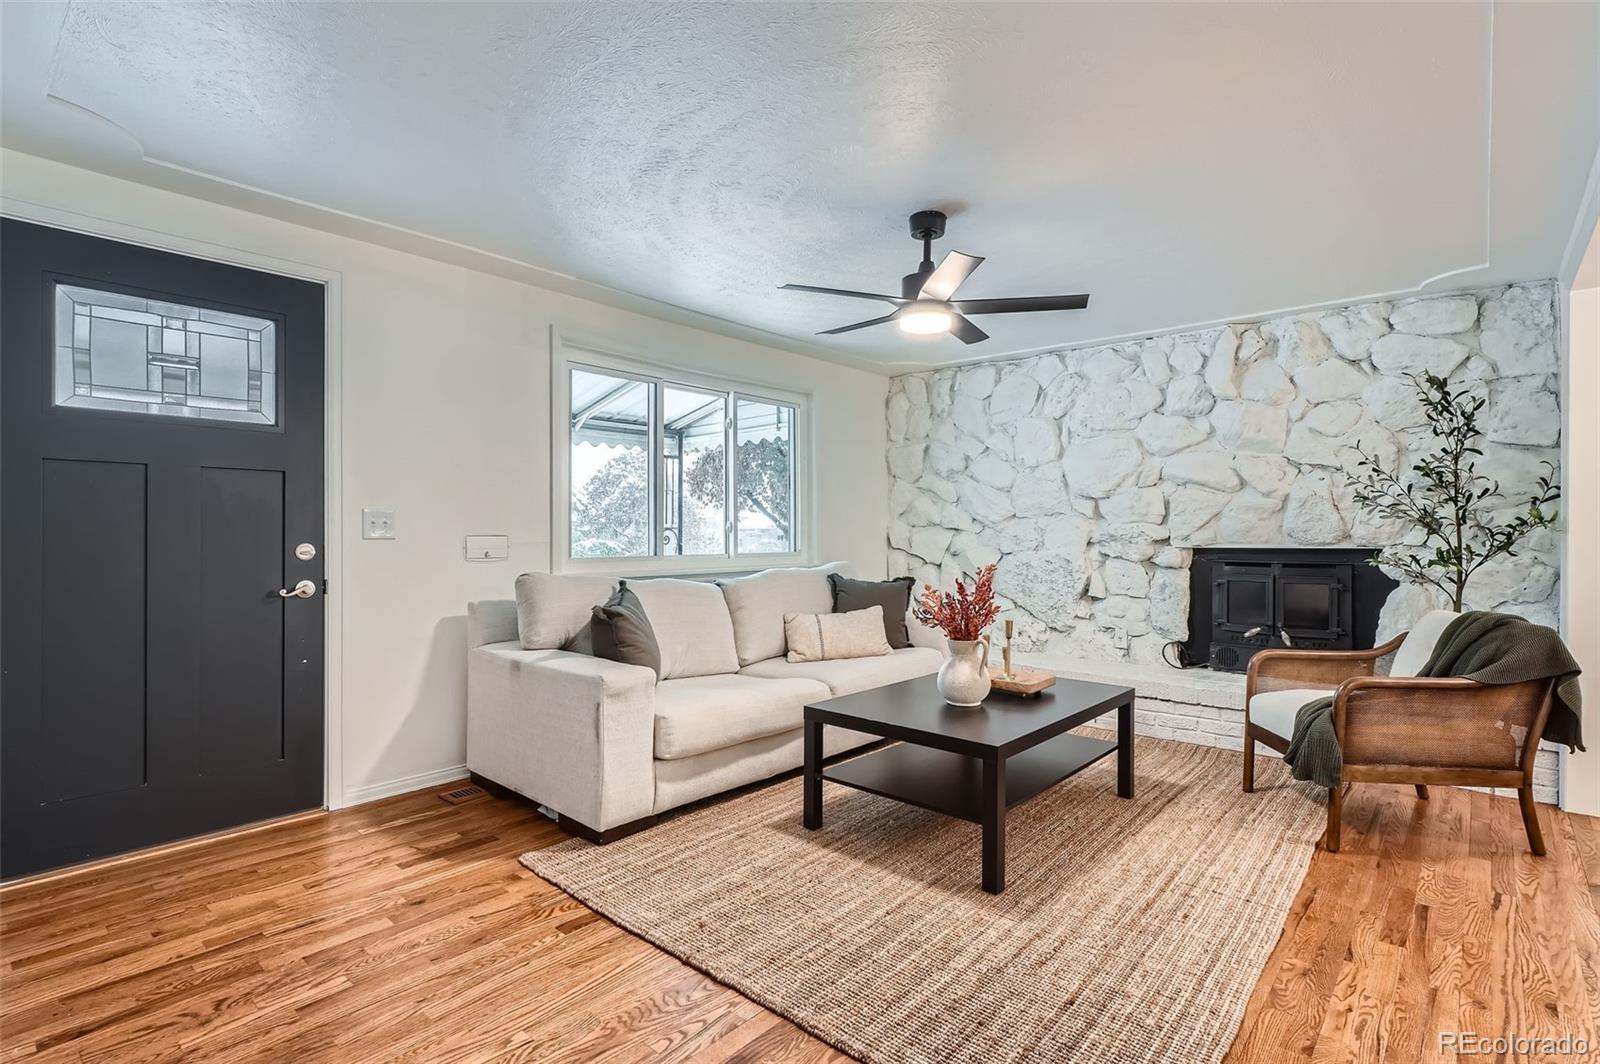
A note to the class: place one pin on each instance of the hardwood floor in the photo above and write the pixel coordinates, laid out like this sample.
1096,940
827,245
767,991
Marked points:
1434,919
405,930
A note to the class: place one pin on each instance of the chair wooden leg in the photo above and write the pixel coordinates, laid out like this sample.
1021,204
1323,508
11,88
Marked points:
1335,810
1249,763
1422,791
1530,820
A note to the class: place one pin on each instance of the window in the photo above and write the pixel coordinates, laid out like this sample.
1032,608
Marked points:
764,477
611,430
144,356
648,474
694,486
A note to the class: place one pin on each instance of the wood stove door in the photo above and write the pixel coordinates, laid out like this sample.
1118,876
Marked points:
1242,602
1314,604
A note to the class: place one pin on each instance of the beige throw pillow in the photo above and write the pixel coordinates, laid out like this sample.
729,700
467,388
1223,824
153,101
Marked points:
830,636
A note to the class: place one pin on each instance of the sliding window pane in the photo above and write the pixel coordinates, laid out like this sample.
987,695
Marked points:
610,465
763,476
694,471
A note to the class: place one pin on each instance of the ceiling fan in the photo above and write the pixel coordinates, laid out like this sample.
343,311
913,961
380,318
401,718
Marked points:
924,305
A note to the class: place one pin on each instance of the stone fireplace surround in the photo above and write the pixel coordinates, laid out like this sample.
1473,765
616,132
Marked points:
1090,473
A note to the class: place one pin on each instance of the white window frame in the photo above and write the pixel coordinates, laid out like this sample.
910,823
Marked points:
568,353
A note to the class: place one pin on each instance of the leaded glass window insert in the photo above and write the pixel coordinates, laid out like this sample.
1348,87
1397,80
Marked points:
130,354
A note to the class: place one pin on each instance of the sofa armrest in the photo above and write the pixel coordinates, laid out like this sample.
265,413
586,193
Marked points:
573,732
491,621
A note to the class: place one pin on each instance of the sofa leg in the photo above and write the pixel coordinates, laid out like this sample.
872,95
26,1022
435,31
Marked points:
1335,811
495,790
1530,820
598,837
1422,791
1249,762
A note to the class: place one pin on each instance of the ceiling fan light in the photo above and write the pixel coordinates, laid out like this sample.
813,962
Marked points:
925,317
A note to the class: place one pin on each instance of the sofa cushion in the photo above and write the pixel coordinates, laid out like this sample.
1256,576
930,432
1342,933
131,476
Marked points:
848,676
1418,645
758,602
1275,710
553,610
700,713
923,636
691,624
688,779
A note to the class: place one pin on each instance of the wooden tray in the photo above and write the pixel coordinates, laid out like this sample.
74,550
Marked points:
1022,681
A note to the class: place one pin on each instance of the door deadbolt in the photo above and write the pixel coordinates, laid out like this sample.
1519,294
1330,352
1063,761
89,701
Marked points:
305,552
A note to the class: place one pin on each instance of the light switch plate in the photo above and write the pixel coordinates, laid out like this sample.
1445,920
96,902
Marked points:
487,548
377,523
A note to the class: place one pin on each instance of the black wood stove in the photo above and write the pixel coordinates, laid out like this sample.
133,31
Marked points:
1245,599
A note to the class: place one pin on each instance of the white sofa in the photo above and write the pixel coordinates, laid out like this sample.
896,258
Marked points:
608,747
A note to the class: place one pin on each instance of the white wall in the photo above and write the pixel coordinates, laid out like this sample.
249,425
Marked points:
1581,776
444,409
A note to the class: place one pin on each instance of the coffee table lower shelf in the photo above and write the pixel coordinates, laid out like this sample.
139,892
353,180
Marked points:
952,783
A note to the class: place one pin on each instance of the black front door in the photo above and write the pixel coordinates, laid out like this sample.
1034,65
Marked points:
162,497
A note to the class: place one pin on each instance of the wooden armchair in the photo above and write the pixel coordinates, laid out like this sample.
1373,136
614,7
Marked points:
1401,728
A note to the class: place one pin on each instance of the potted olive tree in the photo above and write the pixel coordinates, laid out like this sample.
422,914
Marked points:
1461,513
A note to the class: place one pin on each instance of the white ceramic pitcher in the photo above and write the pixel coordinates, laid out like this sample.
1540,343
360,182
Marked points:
964,676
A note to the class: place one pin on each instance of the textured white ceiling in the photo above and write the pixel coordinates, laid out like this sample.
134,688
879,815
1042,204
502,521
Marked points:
1181,162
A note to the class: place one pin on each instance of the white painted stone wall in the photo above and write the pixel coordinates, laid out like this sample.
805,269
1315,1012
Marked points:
1089,473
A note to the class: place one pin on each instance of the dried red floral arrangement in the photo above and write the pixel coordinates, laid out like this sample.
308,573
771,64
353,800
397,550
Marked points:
960,616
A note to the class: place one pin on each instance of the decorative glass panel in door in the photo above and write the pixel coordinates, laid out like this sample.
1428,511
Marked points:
763,476
134,355
610,465
694,442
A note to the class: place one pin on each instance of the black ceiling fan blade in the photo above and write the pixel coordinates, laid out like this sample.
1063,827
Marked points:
952,270
896,300
1021,304
859,325
965,331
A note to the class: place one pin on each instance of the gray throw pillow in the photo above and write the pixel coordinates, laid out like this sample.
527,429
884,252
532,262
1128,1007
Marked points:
621,631
893,595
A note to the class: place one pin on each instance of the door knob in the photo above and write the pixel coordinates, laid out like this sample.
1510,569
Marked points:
304,589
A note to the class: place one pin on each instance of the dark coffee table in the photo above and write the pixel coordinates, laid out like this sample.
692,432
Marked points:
969,763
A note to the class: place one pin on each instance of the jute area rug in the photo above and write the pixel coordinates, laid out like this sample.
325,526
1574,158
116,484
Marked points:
1128,930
